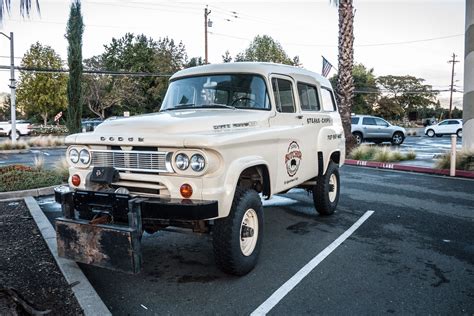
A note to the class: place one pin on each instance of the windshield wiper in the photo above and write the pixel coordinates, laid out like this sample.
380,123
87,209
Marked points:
180,106
217,105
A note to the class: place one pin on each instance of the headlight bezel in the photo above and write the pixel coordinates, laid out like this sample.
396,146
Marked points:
76,156
87,152
74,152
190,153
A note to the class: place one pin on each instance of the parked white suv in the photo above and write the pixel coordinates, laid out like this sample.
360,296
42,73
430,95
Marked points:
23,128
446,127
226,135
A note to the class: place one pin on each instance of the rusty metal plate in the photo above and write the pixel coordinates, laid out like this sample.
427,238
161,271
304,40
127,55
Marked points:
108,246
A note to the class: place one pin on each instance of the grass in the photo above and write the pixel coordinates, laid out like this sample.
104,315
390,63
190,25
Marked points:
39,141
382,154
464,160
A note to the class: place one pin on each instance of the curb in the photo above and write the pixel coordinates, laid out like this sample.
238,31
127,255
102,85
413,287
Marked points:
85,294
25,193
394,166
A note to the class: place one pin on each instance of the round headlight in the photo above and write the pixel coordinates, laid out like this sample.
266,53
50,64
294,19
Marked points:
84,156
182,161
74,155
198,162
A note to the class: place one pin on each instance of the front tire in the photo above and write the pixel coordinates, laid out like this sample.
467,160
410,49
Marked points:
17,135
430,133
397,138
237,239
459,133
326,190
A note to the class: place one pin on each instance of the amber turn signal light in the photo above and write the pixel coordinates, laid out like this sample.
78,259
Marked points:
76,180
186,190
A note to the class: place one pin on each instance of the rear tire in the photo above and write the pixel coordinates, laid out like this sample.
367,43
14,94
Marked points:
17,135
326,190
237,239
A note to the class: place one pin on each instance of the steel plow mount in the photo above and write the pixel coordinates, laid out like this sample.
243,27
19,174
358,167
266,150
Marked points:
100,242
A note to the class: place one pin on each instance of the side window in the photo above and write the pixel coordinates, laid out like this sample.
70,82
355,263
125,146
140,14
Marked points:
380,122
355,120
368,121
453,122
444,123
328,100
308,97
284,99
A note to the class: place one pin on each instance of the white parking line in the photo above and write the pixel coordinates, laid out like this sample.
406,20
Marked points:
279,294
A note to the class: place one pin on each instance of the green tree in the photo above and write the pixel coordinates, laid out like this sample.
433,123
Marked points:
226,58
193,62
345,82
366,90
388,108
25,8
75,28
409,92
138,53
265,49
38,93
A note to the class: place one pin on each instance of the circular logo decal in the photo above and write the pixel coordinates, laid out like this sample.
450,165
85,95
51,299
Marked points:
293,158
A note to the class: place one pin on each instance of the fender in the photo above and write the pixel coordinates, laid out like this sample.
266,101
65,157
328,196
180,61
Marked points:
334,141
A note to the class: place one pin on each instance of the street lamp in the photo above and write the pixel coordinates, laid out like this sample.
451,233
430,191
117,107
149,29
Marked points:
12,87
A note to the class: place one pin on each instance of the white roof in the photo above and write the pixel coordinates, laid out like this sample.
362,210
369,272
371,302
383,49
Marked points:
264,69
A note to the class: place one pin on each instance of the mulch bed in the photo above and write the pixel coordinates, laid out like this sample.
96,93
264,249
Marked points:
30,280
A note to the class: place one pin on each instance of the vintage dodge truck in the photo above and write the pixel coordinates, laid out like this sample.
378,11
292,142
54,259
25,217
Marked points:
227,135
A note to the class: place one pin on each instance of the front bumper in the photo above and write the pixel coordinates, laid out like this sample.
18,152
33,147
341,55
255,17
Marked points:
117,205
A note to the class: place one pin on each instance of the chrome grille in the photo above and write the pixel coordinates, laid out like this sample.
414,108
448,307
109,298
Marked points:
141,161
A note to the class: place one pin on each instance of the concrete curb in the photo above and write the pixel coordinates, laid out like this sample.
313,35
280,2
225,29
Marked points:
86,295
394,166
26,193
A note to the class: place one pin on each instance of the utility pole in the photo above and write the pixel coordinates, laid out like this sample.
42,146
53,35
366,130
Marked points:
206,23
453,61
12,87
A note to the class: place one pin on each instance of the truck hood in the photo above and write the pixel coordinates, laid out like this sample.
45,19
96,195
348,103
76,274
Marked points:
172,127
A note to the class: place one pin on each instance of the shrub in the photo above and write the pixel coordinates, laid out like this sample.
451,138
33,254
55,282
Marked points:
62,168
49,130
14,178
46,141
382,154
8,145
464,160
363,152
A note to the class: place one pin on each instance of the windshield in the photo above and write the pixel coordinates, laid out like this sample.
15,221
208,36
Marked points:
242,91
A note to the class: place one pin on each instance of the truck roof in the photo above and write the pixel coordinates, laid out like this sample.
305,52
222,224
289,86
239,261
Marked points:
264,69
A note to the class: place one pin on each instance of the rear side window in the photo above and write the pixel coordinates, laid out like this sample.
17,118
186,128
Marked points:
453,123
284,99
308,97
355,120
368,121
328,100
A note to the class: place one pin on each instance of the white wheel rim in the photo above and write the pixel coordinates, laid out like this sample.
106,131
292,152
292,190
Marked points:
333,188
430,133
460,134
249,221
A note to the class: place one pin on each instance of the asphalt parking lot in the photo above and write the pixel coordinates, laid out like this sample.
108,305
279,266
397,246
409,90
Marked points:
413,255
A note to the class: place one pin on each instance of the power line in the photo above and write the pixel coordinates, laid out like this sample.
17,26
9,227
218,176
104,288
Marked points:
89,72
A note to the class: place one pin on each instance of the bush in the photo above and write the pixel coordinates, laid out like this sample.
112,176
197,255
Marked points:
15,178
46,141
464,161
49,130
8,145
385,154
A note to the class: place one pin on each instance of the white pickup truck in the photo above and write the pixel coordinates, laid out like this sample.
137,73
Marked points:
226,136
23,128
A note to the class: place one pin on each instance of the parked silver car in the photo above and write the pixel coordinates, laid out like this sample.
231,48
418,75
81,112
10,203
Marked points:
377,130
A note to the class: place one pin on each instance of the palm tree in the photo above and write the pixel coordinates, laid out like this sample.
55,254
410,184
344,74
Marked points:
25,7
345,81
468,100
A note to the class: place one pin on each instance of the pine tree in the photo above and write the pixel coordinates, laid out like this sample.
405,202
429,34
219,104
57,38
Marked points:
75,28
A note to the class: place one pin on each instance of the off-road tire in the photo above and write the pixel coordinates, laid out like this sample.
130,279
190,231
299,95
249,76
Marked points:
324,189
226,234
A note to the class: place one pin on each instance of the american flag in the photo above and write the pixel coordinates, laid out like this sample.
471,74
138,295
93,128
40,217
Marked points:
326,67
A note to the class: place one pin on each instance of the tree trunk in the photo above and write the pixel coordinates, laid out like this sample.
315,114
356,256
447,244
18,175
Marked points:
468,100
45,118
345,81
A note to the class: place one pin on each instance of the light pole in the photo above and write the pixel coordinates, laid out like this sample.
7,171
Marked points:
206,24
12,87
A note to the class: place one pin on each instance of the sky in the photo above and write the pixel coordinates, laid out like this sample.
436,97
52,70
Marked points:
394,37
